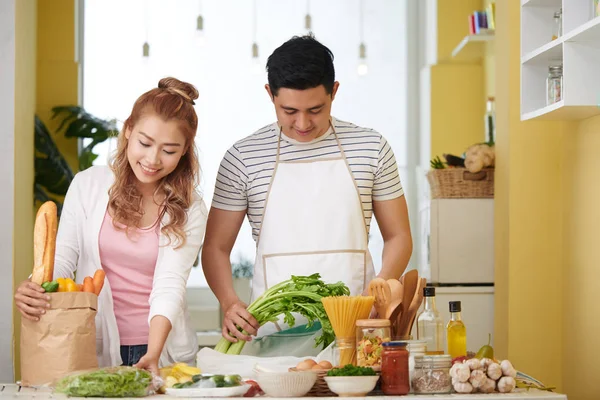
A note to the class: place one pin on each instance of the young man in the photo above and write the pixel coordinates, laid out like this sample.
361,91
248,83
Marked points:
309,184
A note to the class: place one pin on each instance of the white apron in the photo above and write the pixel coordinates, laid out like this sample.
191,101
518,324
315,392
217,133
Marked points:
313,222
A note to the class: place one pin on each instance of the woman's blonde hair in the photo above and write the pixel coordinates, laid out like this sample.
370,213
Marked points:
171,100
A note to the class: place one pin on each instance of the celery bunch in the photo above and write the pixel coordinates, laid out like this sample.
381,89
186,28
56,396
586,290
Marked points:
300,294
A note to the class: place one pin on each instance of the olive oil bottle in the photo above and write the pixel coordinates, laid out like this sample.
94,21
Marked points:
456,332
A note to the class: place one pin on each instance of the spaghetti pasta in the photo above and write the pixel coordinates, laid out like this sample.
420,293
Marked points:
343,312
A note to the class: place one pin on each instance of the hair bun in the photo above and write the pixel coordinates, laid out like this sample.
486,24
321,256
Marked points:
184,89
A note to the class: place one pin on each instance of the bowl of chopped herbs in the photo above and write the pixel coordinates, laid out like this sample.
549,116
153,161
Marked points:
351,380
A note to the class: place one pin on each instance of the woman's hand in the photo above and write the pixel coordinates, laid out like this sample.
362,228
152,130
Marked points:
31,300
149,363
236,315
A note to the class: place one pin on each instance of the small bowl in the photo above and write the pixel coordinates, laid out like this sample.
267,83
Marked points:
286,384
351,386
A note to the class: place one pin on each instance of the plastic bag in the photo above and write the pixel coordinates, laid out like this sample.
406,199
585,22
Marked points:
110,382
295,342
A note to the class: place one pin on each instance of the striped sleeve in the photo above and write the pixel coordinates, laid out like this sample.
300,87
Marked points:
231,185
387,184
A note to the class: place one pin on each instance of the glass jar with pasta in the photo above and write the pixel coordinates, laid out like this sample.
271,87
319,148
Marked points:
370,336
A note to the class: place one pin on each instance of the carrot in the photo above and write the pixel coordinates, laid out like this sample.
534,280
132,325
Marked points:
99,280
88,285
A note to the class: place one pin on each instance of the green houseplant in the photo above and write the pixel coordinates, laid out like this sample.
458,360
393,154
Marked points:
53,175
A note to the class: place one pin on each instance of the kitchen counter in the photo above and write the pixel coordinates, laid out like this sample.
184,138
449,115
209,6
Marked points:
12,390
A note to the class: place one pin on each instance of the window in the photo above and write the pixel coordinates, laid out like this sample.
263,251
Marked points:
233,102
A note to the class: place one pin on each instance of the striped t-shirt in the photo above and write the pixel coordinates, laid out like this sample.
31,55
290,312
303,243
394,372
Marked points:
247,167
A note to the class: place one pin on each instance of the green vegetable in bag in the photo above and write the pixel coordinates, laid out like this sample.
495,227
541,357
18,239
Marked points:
108,382
50,287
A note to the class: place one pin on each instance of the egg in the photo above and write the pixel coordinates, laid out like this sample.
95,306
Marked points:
305,365
325,364
317,367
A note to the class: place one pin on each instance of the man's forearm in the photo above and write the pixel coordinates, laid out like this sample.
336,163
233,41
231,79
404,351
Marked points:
396,254
217,270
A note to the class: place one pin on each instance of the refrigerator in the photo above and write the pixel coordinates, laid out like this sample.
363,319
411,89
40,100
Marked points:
457,257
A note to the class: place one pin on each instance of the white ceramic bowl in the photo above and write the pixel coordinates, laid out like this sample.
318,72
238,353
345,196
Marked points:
351,386
286,384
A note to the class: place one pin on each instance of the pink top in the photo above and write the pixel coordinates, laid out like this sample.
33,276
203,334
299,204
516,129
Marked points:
129,263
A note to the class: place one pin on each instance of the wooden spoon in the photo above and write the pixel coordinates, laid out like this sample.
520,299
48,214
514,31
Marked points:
393,313
411,313
410,283
396,288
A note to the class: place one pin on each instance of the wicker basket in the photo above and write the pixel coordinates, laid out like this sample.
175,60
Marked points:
458,183
320,388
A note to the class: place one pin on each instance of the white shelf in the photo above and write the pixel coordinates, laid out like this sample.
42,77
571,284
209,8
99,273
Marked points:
578,51
543,55
542,3
558,111
472,47
586,33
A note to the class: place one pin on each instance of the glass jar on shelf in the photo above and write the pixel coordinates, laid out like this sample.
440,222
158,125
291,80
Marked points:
557,28
370,336
432,375
554,84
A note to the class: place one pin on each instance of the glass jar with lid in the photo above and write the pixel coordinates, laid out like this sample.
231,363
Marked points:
554,84
395,378
432,374
370,336
557,28
416,348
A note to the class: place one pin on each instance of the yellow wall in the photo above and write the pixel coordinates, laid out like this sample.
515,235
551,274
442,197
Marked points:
25,77
46,76
529,205
458,90
581,308
457,108
57,76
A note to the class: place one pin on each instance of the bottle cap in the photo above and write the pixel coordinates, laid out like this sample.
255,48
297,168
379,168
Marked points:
454,306
429,291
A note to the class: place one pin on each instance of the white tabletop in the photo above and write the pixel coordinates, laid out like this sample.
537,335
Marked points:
12,390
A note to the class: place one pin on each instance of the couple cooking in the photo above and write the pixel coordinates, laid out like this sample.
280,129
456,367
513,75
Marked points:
308,183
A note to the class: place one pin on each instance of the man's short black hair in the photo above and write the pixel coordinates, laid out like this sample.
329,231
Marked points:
301,63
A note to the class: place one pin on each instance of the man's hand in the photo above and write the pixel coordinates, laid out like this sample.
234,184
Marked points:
237,315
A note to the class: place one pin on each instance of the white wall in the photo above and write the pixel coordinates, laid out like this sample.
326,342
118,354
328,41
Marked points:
232,101
7,183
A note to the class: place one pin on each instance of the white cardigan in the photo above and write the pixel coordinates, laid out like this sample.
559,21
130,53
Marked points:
77,250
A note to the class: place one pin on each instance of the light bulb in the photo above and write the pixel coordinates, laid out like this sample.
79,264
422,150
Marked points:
200,30
256,66
146,50
363,68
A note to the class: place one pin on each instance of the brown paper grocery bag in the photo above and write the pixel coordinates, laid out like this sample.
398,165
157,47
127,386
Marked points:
62,341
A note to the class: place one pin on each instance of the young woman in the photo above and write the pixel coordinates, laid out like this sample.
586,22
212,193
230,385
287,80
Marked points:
142,222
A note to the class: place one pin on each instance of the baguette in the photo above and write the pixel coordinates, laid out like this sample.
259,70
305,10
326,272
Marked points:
44,243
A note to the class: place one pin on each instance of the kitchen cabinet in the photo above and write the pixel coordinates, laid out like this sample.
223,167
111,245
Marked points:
575,49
